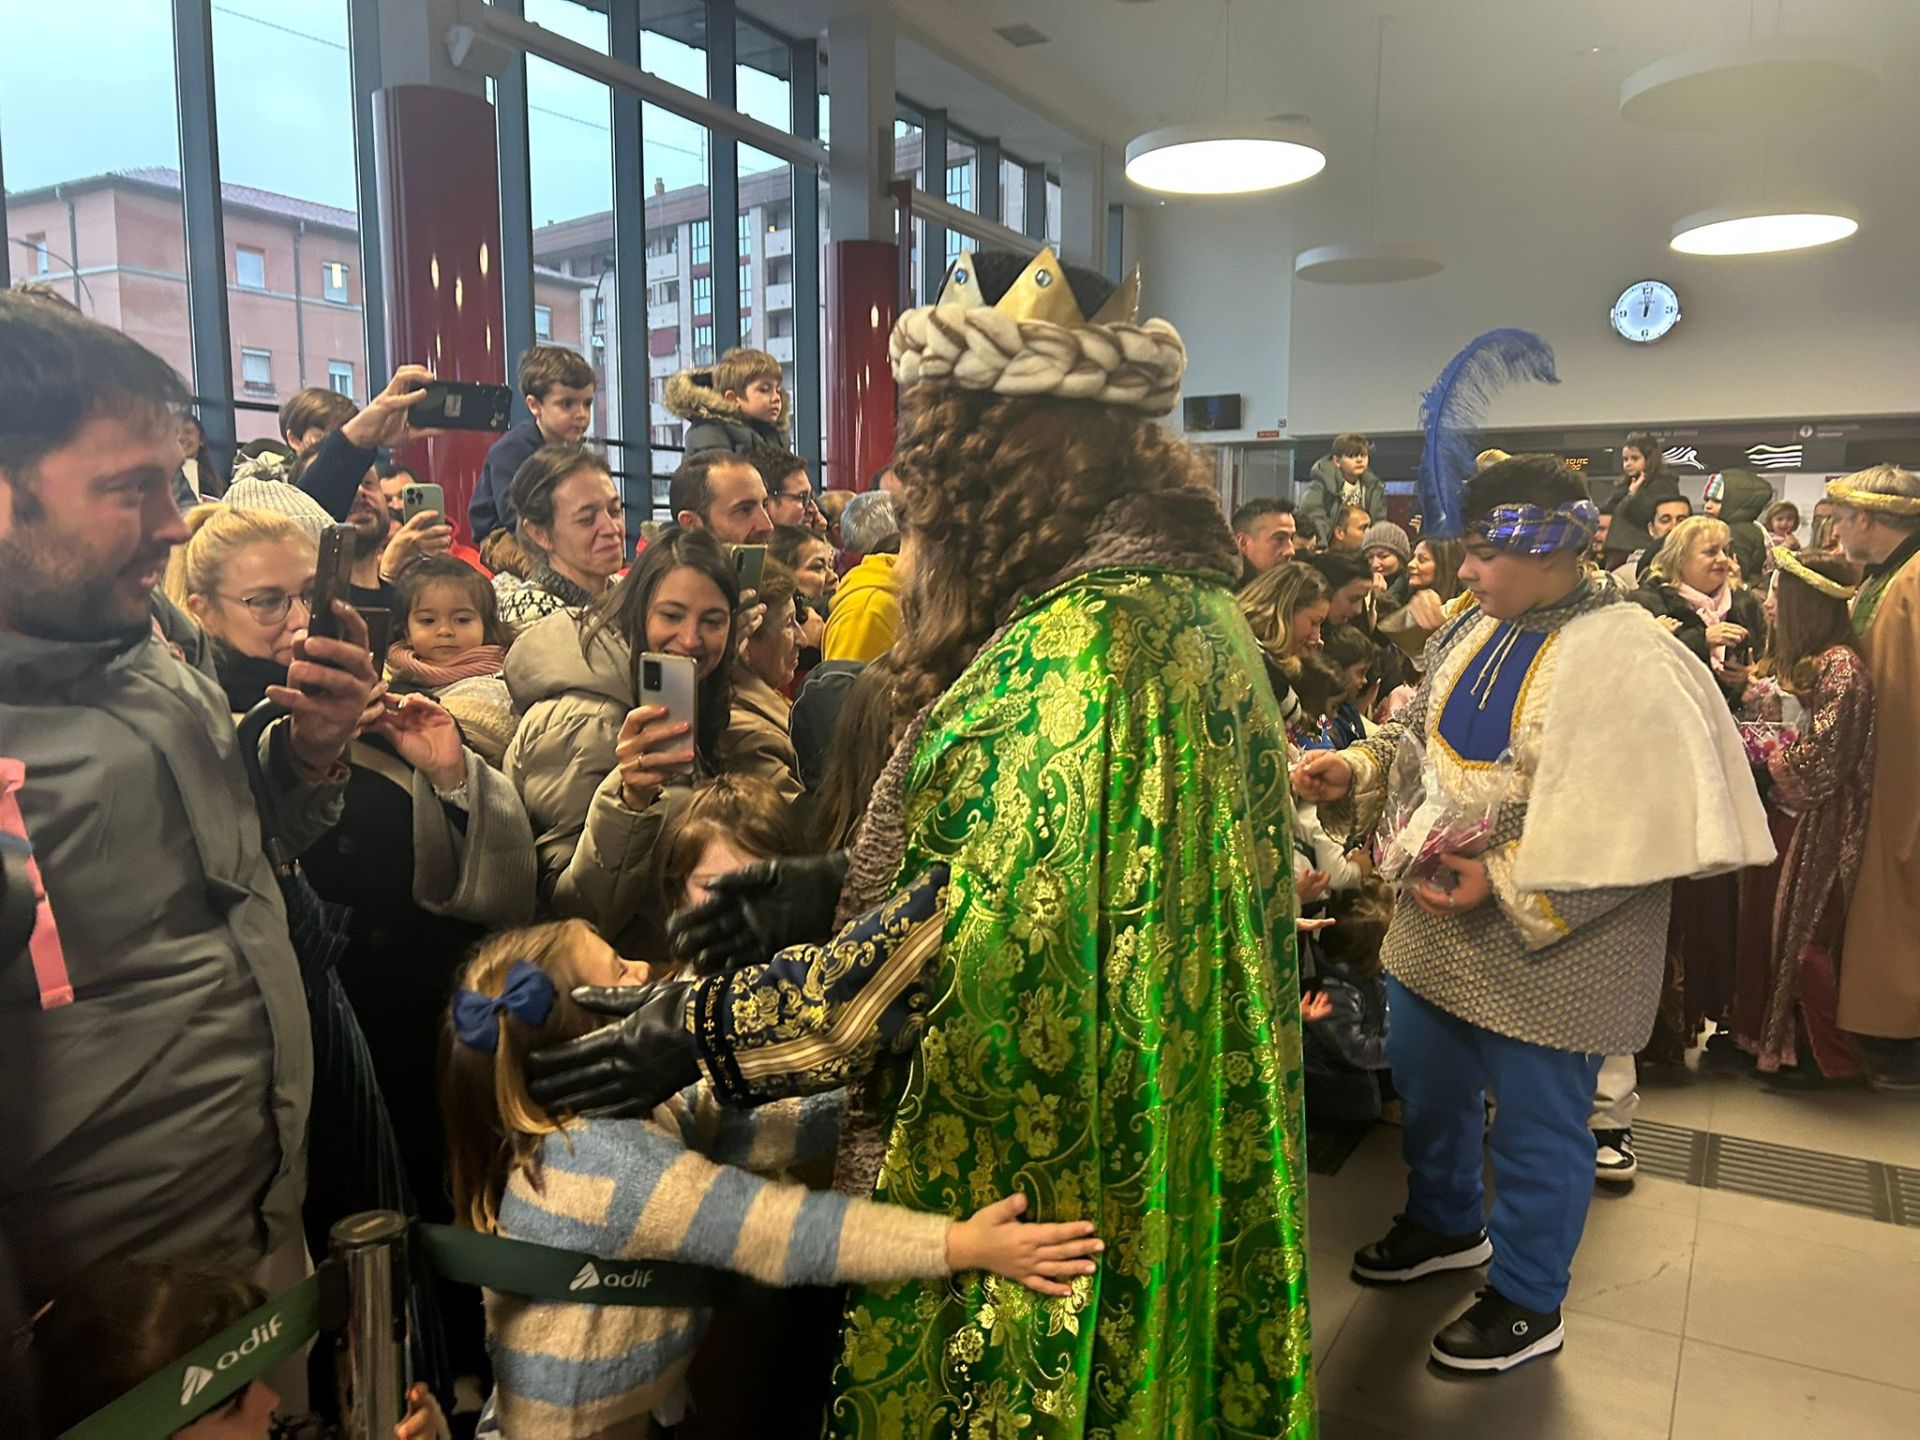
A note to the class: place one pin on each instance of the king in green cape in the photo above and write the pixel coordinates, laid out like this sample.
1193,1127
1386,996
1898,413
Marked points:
1063,962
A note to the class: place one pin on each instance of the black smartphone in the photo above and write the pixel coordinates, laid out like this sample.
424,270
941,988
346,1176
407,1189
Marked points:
750,564
462,405
379,633
332,580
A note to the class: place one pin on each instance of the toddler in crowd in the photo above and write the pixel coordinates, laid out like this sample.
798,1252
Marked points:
122,1321
626,1187
453,648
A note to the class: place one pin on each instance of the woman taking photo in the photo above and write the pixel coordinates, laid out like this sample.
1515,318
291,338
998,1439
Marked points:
600,772
571,525
1285,607
432,850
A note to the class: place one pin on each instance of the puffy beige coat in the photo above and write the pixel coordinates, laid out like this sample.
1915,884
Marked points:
597,857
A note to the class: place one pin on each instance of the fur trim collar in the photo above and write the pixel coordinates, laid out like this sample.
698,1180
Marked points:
690,395
1165,530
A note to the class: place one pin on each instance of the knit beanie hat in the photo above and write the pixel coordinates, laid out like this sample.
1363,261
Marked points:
281,499
1385,535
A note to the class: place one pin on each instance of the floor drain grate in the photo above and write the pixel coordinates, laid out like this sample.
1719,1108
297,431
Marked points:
1845,1184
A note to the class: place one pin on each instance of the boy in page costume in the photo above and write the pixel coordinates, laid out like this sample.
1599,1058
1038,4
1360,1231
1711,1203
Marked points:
1519,956
1066,958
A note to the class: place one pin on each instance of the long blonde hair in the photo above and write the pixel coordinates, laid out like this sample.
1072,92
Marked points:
1273,599
494,1126
1685,541
215,534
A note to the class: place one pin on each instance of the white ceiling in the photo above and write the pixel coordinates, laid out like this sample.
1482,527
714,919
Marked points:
1459,73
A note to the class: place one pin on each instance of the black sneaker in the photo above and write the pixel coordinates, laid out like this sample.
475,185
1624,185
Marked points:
1495,1334
1411,1252
1613,1158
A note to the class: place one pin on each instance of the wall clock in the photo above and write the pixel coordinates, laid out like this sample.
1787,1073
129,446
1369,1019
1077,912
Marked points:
1646,311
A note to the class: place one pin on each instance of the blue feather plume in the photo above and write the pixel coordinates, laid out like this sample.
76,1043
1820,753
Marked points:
1451,411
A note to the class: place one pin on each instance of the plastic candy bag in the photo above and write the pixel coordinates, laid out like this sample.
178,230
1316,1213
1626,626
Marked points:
1423,822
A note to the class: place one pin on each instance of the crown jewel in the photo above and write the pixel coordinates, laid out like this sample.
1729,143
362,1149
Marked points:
1041,293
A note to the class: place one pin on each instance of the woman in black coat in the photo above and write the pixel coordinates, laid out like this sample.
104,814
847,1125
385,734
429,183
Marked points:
1689,588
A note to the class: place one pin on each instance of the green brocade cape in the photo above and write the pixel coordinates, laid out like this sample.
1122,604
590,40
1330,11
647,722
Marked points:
1114,1032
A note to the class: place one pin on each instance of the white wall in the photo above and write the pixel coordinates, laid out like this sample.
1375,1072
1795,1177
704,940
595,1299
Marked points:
1206,267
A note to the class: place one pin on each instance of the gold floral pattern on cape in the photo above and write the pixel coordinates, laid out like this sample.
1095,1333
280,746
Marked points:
1113,1031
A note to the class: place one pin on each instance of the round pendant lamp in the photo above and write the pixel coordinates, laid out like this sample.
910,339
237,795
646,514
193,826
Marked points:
1769,230
1228,158
1368,262
1750,83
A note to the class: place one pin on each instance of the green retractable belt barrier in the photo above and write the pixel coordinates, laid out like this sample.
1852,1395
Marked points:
541,1272
211,1373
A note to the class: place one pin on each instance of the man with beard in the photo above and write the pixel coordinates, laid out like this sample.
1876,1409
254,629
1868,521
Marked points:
155,1062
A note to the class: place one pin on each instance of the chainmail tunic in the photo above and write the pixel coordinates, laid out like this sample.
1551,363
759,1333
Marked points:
1590,980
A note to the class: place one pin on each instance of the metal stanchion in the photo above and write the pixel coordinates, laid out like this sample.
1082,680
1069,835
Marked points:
372,1247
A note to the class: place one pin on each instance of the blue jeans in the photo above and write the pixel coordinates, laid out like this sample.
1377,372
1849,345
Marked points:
1542,1148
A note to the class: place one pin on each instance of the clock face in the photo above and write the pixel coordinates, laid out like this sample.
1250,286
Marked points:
1646,311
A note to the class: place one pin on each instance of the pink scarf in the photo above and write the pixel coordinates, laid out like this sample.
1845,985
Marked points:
1711,609
403,664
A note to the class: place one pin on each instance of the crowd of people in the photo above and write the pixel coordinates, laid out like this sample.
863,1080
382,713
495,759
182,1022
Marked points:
938,939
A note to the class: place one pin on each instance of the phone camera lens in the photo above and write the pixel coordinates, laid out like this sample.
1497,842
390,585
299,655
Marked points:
650,675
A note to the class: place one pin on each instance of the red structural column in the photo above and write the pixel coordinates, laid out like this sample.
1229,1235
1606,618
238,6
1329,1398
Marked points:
863,288
439,182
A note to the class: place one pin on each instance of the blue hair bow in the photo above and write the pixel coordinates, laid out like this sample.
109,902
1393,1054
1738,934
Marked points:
527,997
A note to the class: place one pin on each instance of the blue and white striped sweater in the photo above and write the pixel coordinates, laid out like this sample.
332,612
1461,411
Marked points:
669,1188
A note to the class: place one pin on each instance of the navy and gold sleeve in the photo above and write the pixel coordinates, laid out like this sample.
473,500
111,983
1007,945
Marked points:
816,1016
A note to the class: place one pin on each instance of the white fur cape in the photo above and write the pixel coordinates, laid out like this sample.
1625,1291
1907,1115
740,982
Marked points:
1625,690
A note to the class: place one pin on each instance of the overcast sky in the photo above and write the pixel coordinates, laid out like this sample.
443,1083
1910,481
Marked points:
87,86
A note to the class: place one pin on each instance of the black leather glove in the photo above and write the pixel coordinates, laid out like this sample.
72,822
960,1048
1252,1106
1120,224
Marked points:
751,914
628,1067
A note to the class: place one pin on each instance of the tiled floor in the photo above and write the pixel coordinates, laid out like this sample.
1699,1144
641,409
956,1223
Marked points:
1694,1314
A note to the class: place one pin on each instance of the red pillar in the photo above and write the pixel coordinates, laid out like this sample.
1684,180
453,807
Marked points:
439,182
862,304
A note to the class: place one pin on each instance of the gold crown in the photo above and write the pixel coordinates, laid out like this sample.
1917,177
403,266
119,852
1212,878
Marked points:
1042,293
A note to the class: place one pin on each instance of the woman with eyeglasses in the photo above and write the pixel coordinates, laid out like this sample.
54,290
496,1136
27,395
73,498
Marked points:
432,850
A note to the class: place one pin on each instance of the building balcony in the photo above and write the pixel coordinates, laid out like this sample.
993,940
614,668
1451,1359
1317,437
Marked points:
781,348
664,317
779,297
662,267
778,243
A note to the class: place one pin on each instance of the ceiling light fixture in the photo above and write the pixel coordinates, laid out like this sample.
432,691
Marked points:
1240,158
1225,157
1370,261
1756,82
1737,230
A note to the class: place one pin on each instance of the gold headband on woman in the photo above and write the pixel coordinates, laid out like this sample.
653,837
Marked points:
1798,568
1843,492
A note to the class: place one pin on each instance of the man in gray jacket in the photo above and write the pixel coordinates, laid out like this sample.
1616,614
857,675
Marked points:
155,1061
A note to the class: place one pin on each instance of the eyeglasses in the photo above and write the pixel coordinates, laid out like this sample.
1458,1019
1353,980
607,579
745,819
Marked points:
272,607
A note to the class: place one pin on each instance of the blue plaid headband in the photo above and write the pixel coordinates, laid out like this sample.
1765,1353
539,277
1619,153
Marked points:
1536,530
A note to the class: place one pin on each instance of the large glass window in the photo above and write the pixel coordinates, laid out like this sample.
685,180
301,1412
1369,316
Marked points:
289,197
570,140
1013,193
111,238
764,81
679,249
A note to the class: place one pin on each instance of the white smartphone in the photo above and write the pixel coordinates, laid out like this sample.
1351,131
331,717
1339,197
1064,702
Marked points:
673,682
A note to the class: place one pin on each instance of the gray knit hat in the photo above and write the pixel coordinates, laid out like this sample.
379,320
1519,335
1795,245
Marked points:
281,499
1385,535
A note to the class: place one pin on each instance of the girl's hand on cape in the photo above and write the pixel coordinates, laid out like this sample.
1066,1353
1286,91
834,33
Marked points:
1040,1257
